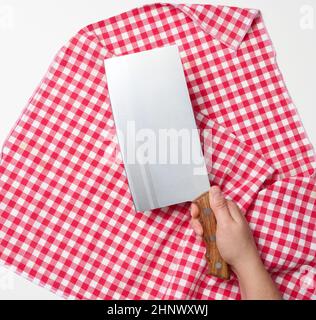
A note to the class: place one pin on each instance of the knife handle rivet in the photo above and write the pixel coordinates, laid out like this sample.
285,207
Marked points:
218,265
207,211
212,238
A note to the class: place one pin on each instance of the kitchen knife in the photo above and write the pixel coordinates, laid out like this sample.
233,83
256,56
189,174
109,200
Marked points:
158,138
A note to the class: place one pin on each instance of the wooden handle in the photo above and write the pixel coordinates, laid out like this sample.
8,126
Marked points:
216,265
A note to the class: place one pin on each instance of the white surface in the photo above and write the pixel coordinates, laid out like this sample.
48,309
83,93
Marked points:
38,28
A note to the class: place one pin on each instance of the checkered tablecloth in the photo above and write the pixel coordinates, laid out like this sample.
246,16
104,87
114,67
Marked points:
67,220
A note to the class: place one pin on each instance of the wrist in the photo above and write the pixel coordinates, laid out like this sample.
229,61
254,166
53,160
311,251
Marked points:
255,281
248,265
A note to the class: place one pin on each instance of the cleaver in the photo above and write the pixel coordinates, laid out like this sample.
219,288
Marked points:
158,138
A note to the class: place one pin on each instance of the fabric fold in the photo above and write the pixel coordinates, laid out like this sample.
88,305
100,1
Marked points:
229,25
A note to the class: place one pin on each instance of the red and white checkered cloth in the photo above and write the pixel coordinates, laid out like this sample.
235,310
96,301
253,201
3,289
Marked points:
66,215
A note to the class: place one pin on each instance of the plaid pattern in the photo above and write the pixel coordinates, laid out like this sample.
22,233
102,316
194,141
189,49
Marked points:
67,220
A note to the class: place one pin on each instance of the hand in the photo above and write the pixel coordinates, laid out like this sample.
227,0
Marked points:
237,247
233,236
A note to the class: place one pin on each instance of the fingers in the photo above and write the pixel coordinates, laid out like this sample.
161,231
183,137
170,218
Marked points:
219,205
194,211
225,211
195,223
234,211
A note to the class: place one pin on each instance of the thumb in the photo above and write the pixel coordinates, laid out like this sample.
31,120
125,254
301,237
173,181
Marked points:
219,205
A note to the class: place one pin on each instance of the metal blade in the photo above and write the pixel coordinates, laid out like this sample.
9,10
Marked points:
156,129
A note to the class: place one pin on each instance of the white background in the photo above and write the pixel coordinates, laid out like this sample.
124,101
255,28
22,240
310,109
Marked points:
38,28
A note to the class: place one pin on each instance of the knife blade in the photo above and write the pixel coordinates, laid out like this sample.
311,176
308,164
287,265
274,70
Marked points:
158,137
